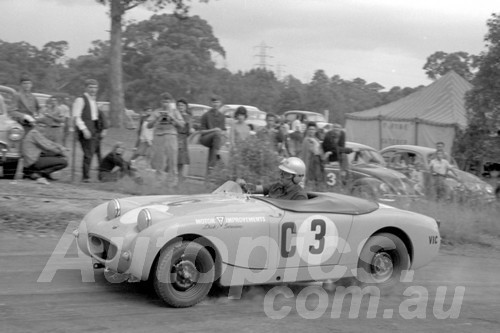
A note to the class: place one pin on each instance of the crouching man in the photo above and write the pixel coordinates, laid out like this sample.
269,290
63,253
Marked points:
42,156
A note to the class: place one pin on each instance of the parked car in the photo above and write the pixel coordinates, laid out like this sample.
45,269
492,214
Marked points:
318,118
256,118
11,135
366,176
408,159
185,244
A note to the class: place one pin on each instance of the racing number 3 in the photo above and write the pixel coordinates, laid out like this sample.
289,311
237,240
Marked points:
288,229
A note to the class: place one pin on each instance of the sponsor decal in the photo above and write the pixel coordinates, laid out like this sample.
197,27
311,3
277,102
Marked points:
228,222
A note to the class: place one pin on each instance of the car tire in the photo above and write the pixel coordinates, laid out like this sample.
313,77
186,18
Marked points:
382,260
184,274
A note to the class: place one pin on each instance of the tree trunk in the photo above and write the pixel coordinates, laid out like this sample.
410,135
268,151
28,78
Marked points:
117,104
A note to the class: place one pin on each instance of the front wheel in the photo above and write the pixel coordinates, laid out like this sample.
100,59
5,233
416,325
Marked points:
184,274
382,260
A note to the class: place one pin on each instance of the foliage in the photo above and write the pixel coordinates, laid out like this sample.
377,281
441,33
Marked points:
439,63
483,101
253,160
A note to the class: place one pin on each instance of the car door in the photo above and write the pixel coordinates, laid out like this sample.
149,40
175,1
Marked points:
308,239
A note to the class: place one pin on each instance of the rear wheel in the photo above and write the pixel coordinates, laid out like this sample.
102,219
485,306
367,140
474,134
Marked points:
382,260
184,274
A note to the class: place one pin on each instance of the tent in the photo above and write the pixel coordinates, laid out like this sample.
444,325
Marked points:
427,116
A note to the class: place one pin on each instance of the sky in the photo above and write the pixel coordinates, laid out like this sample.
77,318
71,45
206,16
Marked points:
383,41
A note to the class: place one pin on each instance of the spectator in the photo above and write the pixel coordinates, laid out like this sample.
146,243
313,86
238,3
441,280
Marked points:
292,171
440,147
56,117
88,124
296,136
183,133
269,132
165,122
239,131
312,154
113,165
26,107
212,129
334,148
42,156
68,119
283,140
440,168
144,137
102,128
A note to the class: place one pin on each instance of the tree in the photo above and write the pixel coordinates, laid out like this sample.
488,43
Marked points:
439,63
483,100
117,11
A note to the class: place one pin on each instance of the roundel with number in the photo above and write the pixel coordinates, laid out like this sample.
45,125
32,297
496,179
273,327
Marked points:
331,178
317,239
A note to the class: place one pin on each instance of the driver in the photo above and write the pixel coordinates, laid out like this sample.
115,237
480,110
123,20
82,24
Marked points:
292,171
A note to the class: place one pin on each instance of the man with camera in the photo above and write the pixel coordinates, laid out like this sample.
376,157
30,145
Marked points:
165,121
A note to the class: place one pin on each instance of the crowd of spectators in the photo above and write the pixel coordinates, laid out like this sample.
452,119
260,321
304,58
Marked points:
162,137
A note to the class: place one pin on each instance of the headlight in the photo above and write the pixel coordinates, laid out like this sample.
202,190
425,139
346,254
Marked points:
16,134
489,189
144,219
114,209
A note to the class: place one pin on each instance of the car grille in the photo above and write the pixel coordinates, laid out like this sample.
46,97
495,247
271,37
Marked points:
102,248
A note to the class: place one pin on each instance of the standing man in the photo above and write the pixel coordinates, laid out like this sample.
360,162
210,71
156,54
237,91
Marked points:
213,130
86,116
165,121
26,106
440,169
440,147
269,132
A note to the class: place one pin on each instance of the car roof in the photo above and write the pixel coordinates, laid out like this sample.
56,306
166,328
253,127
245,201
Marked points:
419,149
7,89
301,111
358,146
198,106
235,106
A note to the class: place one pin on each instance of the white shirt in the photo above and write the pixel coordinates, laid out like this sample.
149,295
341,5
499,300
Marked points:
440,167
78,108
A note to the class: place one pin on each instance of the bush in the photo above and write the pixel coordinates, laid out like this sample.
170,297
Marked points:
254,160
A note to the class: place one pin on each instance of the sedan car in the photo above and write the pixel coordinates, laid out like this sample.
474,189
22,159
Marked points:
11,135
318,118
185,244
414,162
255,117
366,176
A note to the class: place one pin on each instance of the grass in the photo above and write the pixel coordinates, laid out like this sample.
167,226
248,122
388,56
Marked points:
462,224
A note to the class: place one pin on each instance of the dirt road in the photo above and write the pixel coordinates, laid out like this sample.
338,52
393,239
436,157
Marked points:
67,304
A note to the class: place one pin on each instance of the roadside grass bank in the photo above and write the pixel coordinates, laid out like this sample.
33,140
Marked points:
462,223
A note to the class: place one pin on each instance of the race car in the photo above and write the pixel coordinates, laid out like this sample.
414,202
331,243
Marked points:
185,244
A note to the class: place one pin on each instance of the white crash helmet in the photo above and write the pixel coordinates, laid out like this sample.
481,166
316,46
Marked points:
294,166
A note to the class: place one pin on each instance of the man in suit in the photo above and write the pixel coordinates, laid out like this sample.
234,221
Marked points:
26,106
89,125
